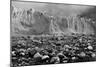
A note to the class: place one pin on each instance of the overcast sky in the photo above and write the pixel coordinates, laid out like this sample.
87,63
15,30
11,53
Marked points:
54,9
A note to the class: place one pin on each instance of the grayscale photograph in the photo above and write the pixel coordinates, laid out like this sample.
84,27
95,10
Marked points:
44,33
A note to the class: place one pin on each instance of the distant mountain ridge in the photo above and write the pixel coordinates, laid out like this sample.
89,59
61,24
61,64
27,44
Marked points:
32,22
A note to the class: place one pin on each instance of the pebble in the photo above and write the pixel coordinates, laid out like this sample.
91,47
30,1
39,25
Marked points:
82,54
93,55
45,57
73,58
65,61
90,47
89,44
22,50
22,53
37,55
67,46
13,53
60,54
67,49
55,59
